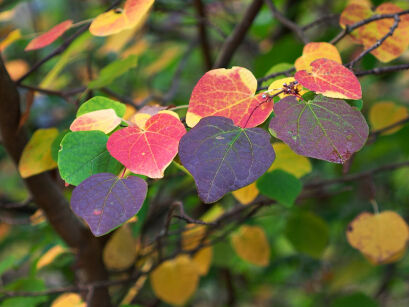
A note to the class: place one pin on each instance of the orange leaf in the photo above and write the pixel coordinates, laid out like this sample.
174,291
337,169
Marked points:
229,93
50,36
380,237
16,68
104,120
370,33
117,20
330,79
315,51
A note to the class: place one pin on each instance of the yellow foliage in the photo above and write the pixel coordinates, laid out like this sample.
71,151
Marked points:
11,38
386,113
68,300
16,68
120,252
287,160
250,243
277,85
50,256
175,281
381,237
246,194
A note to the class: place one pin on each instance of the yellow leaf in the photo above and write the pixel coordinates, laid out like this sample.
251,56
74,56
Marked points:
213,214
7,15
116,42
380,237
386,113
133,291
130,110
11,38
250,243
277,86
68,300
50,256
120,253
287,160
163,61
203,260
246,194
104,120
16,68
175,281
315,51
36,157
136,49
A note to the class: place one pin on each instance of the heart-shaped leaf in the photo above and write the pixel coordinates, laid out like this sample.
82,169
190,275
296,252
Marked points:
315,51
50,36
84,154
150,150
229,93
223,157
105,201
330,79
322,128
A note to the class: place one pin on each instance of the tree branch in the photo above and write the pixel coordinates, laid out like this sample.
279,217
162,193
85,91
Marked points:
202,30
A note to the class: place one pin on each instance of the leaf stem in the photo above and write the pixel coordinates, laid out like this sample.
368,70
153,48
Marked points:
375,206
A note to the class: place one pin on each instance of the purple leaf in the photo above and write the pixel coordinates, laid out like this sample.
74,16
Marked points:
322,128
105,201
223,157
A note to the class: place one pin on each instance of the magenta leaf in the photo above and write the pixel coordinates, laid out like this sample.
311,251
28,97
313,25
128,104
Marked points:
223,157
323,128
105,201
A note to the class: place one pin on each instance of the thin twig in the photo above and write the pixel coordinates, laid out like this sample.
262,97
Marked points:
202,30
382,70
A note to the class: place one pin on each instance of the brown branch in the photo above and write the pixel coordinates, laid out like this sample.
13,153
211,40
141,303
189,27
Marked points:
376,45
202,30
382,70
48,196
323,19
287,22
235,39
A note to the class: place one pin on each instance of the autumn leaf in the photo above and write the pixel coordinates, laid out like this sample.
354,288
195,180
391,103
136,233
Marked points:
386,113
322,128
68,300
277,86
102,120
370,33
50,256
191,238
101,103
223,157
114,21
36,157
247,194
105,201
175,281
148,151
330,79
250,243
315,51
380,237
13,36
16,68
120,252
229,93
50,36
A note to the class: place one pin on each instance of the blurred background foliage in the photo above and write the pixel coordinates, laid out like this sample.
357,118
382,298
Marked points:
311,263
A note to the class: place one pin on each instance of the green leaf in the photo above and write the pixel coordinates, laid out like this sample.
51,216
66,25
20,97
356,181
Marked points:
114,70
55,146
356,103
308,233
275,69
100,103
26,284
357,299
7,263
84,154
280,186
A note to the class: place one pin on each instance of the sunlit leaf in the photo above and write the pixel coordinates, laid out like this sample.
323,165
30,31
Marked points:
120,252
36,157
315,51
322,128
250,243
175,281
223,157
330,79
68,300
287,160
380,237
385,113
247,194
102,120
277,86
10,38
148,151
16,68
84,154
229,93
105,201
50,256
50,36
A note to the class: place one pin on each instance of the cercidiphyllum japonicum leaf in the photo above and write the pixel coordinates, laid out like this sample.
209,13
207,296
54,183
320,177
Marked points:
148,151
223,157
84,154
36,157
277,86
315,51
102,120
330,79
229,93
100,103
50,36
381,237
105,201
386,113
322,128
116,20
370,33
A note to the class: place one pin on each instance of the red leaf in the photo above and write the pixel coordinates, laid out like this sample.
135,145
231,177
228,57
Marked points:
50,36
148,151
330,79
